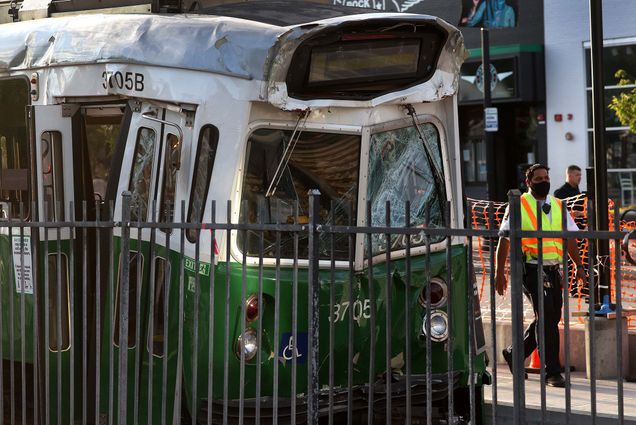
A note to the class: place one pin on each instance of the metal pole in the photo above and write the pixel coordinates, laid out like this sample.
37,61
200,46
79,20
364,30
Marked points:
313,308
600,160
123,308
516,295
488,137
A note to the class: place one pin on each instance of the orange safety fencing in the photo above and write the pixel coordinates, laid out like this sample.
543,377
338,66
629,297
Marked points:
481,219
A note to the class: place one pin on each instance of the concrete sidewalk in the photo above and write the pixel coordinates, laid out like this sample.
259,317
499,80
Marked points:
580,406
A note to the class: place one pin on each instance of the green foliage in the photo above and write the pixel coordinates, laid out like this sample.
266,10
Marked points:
624,105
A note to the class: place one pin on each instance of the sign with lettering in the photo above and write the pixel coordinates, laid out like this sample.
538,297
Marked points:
491,119
22,264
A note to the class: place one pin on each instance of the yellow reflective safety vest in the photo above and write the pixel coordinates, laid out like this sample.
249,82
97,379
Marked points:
552,247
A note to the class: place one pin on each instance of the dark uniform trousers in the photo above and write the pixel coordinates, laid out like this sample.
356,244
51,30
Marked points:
550,285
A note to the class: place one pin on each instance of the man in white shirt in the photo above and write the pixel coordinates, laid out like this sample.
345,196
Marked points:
550,212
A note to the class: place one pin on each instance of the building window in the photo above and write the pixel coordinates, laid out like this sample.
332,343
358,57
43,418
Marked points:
620,142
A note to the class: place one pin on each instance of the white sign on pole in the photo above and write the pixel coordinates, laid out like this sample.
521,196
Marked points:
23,272
491,119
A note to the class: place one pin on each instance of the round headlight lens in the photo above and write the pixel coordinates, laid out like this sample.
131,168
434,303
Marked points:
439,325
247,343
439,293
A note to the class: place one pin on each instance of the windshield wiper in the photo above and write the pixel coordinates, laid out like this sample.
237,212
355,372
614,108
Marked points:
289,150
437,171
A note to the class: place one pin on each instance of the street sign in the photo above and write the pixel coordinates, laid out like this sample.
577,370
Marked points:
491,119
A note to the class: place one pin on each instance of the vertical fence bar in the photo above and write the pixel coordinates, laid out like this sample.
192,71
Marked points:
619,315
176,414
541,294
138,344
493,308
566,315
2,345
259,330
47,324
2,351
211,332
372,336
85,390
112,276
226,335
518,383
197,296
388,299
244,207
276,320
313,308
471,325
124,286
592,318
332,302
427,322
294,384
451,335
36,336
71,303
166,320
407,309
352,252
151,309
98,311
22,318
58,302
12,285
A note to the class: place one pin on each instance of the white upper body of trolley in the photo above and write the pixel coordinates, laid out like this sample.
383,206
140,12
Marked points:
234,73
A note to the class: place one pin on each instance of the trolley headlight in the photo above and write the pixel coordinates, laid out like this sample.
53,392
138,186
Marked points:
247,343
439,293
439,325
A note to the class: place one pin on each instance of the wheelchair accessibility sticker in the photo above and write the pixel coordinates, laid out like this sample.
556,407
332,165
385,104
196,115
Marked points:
289,348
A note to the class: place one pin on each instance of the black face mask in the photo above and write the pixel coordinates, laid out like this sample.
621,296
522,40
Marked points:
541,189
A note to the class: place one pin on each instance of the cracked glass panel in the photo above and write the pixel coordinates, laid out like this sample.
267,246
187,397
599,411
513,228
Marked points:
141,173
325,161
404,168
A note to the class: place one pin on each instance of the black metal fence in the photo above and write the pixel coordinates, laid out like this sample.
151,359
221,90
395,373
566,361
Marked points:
389,332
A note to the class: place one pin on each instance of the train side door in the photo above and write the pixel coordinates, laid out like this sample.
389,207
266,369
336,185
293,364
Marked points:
60,187
152,173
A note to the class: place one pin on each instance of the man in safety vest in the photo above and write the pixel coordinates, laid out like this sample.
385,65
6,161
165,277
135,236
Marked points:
550,280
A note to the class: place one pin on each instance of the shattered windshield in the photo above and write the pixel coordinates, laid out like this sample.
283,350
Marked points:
325,161
404,168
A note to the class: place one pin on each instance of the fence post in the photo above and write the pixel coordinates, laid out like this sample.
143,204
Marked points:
516,294
123,307
313,308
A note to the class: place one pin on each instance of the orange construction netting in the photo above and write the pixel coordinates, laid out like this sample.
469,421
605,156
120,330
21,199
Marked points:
485,247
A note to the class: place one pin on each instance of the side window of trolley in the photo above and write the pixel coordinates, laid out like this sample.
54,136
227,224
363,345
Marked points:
171,164
405,164
57,300
141,175
52,175
14,149
156,323
203,166
281,166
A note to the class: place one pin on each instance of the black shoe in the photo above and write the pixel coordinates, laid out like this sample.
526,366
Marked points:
507,355
555,380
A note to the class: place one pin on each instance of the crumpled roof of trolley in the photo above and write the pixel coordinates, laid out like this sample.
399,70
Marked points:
217,44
